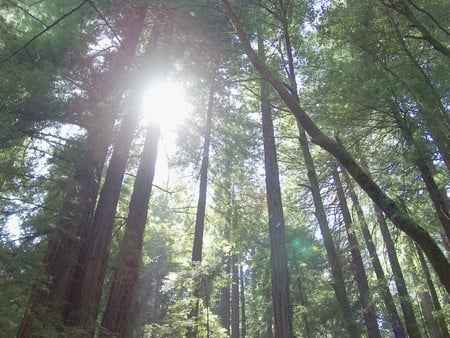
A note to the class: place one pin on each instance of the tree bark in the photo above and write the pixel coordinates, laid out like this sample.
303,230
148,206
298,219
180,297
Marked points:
224,303
243,314
393,316
235,315
281,301
412,328
78,208
398,216
118,309
200,216
438,319
86,288
369,314
333,258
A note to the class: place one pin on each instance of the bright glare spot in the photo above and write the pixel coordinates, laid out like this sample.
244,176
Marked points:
164,104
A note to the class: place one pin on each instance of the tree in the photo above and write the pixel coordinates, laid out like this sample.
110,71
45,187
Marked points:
394,318
201,209
281,302
117,314
398,216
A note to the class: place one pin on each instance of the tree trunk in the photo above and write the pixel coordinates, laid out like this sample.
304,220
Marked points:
398,216
438,319
242,289
393,316
200,216
235,330
333,258
86,288
304,302
281,301
224,304
63,249
412,328
369,314
118,309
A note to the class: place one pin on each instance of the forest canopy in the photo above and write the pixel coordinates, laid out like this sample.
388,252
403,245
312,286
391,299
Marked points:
224,168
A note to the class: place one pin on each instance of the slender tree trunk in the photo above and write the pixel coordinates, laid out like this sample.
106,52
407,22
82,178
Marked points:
412,328
304,302
339,286
235,315
369,314
438,316
333,258
118,309
281,301
200,216
394,318
424,300
398,216
224,303
243,314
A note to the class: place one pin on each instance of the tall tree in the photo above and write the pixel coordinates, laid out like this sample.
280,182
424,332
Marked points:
197,249
281,302
412,327
86,287
63,247
117,314
398,216
368,309
394,318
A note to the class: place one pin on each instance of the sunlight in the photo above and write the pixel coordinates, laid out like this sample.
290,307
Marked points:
164,104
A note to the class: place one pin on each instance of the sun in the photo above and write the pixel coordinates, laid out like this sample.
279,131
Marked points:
164,104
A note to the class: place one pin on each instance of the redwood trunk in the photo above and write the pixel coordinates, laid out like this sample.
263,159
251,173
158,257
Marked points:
235,315
200,217
333,258
394,318
281,301
412,328
118,309
368,309
63,249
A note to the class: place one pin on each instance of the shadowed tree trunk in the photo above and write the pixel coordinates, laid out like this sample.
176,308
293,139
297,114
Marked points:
398,216
86,287
281,301
439,320
394,318
200,216
235,315
87,284
368,310
333,258
224,303
412,328
78,208
243,315
118,309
